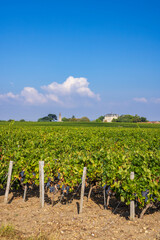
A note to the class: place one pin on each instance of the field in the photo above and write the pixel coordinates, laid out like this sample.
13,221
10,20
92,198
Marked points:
109,151
29,221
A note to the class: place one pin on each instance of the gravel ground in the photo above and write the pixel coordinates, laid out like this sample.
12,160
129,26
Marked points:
62,221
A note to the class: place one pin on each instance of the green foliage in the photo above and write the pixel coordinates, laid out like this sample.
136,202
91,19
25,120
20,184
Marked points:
110,155
73,119
64,119
22,120
81,124
83,119
7,232
130,118
100,119
49,118
52,117
143,119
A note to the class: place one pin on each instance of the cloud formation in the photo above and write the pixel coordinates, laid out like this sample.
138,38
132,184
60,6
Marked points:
32,96
9,95
70,87
71,90
142,100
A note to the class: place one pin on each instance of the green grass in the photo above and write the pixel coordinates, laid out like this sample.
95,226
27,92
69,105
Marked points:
8,232
80,124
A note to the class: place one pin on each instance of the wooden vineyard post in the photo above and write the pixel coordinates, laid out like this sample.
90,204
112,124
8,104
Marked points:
25,193
104,194
40,189
132,205
8,181
82,189
41,182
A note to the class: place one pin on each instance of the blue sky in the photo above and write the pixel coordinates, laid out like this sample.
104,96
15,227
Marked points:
82,58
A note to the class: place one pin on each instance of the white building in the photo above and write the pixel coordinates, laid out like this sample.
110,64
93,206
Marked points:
110,117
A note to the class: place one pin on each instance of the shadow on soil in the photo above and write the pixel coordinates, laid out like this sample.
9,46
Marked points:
117,207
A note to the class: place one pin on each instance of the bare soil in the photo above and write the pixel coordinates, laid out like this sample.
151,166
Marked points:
62,221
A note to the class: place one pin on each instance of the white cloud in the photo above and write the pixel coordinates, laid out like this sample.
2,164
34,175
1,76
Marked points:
142,100
71,86
53,98
32,96
9,95
69,93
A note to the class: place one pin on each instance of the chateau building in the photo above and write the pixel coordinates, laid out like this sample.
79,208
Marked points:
110,117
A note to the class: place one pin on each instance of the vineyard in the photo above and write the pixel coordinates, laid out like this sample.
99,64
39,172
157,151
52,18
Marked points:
109,154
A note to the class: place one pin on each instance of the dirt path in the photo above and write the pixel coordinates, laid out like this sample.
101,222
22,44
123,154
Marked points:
62,222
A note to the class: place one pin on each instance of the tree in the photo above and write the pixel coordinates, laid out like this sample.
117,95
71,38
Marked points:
130,118
143,119
73,119
136,118
100,119
49,118
83,119
64,119
22,120
52,117
44,119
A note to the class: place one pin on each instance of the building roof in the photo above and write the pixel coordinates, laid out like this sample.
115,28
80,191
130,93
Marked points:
111,115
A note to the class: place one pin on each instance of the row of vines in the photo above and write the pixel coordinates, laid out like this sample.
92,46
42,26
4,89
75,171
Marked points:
110,155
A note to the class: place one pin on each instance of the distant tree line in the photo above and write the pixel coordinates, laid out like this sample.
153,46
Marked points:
130,118
53,117
74,119
11,120
123,118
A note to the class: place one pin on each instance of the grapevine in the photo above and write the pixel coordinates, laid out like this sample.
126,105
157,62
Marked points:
110,155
